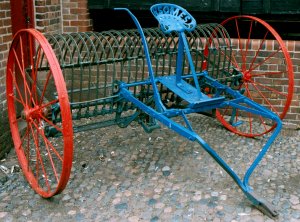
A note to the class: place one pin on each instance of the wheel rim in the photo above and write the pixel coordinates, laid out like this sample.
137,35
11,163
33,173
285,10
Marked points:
34,84
267,73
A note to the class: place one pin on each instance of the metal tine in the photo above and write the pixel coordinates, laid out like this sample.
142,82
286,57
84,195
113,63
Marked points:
96,44
100,60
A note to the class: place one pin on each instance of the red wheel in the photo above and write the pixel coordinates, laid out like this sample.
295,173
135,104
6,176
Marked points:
260,55
34,85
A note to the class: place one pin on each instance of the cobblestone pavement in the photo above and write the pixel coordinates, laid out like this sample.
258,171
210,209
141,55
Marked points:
129,175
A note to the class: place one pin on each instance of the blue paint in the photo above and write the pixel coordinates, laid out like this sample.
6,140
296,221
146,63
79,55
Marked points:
174,18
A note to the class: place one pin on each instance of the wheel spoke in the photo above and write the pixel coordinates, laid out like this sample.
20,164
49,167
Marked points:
259,75
51,124
49,103
24,81
36,65
265,99
269,73
22,67
17,100
240,45
28,149
32,89
49,75
37,61
26,134
257,52
266,59
269,88
39,160
33,70
249,37
225,111
231,60
15,81
22,54
49,143
251,97
51,161
18,120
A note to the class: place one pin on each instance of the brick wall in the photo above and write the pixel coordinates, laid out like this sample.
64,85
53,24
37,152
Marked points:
76,16
57,16
292,118
52,16
48,16
293,115
5,38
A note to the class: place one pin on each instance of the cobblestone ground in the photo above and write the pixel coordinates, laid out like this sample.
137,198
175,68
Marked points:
129,175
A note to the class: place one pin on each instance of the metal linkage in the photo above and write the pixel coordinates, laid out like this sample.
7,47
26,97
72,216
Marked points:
144,75
93,64
174,18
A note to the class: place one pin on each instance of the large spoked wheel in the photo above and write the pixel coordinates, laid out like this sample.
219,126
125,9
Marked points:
260,55
35,85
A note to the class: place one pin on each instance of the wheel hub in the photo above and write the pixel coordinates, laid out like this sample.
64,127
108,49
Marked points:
30,114
247,76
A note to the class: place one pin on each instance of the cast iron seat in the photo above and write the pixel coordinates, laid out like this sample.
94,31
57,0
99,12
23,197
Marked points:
173,18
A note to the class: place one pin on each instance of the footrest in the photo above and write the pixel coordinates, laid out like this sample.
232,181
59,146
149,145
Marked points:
189,93
207,102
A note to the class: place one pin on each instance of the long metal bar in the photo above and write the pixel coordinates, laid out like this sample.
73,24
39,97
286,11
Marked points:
158,102
191,64
193,136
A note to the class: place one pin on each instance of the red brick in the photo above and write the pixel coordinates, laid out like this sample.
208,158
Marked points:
8,29
291,116
67,23
3,47
80,23
296,55
70,17
290,45
7,38
296,61
55,2
84,28
40,3
84,16
78,10
82,4
70,29
40,9
269,45
5,6
76,18
6,22
69,5
3,31
7,14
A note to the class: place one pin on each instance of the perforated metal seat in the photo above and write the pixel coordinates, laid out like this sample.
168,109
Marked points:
173,18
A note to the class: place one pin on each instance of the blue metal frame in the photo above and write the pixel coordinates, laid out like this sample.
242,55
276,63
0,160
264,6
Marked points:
199,102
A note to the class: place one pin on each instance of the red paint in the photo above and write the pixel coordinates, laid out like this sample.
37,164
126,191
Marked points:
47,174
269,94
22,15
